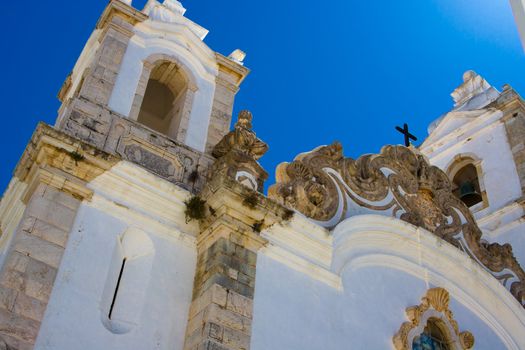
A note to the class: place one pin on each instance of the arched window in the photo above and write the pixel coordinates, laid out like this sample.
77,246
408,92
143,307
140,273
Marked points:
164,99
465,173
432,338
466,185
431,326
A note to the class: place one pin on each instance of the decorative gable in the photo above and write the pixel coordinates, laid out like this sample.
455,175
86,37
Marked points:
399,182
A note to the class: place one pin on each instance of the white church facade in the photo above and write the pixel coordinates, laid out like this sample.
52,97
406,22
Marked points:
138,221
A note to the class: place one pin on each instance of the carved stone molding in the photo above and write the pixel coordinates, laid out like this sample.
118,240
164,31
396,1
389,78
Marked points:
435,304
329,188
58,160
155,159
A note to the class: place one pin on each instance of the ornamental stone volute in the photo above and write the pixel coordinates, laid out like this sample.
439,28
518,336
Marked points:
329,188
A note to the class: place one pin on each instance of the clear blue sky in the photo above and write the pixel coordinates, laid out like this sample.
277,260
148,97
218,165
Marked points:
321,70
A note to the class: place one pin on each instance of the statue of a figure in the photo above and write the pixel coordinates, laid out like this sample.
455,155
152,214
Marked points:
241,139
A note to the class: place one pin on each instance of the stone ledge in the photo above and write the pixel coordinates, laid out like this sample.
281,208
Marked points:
118,8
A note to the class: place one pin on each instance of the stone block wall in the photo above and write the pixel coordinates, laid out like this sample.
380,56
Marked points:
227,83
221,312
31,265
513,108
114,134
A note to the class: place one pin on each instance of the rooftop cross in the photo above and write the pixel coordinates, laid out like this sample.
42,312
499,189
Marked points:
407,134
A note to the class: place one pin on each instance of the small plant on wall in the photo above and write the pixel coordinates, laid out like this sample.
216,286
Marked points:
251,200
77,157
258,226
195,209
288,214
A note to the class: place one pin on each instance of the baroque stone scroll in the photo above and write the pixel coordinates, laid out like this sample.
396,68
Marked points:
328,188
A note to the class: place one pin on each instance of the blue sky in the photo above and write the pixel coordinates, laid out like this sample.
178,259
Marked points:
321,71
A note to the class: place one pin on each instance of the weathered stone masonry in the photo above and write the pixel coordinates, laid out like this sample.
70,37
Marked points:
55,169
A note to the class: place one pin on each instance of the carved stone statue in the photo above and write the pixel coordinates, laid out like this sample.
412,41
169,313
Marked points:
237,154
241,139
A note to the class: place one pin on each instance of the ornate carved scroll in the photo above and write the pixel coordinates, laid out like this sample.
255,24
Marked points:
435,304
328,188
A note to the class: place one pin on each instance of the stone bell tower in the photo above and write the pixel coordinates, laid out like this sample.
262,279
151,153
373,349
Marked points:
147,88
96,247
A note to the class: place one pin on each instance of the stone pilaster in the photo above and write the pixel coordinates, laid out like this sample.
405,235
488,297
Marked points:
221,311
513,108
85,114
222,308
31,265
230,77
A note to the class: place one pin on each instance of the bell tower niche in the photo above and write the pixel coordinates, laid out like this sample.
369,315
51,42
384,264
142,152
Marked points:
164,103
148,89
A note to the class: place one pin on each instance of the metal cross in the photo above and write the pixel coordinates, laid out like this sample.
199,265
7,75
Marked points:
407,134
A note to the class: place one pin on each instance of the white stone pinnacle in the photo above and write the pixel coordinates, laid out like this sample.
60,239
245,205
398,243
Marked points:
237,56
174,6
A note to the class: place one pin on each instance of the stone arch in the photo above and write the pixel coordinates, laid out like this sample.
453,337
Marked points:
164,96
200,68
376,241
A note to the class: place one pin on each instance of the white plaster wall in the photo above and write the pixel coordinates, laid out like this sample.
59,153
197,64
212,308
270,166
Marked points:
500,176
515,236
74,319
385,266
293,311
199,62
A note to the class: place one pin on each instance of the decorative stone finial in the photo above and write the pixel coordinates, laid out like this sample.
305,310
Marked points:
244,120
468,75
238,56
475,92
238,151
172,11
169,11
175,6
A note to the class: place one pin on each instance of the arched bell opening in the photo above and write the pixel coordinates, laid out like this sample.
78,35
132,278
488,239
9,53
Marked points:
466,175
164,101
466,185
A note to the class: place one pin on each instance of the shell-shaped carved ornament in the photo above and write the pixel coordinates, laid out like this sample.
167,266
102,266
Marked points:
438,298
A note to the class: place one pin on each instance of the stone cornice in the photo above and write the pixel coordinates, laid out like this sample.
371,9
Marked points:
120,9
57,159
138,197
227,64
225,192
509,101
480,124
